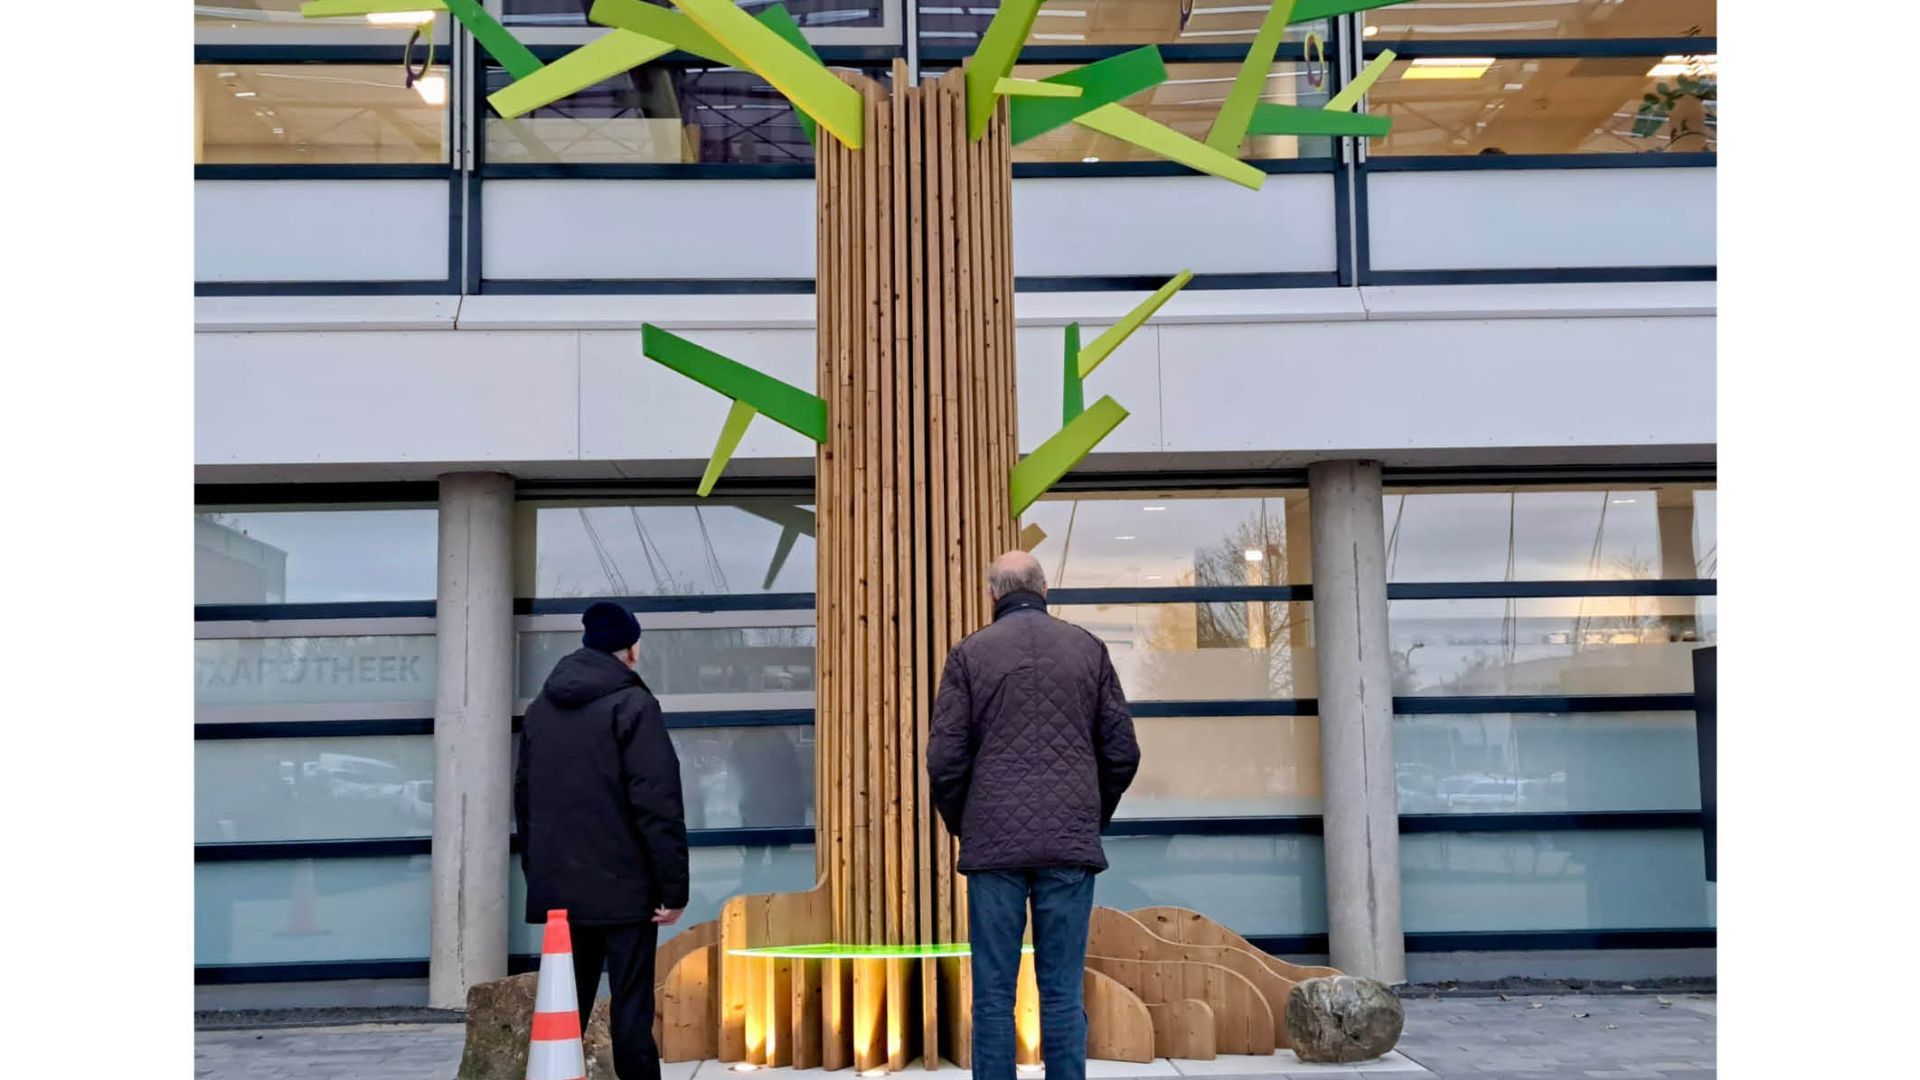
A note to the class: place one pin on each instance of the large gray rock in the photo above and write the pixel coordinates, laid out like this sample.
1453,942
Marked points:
500,1025
1343,1018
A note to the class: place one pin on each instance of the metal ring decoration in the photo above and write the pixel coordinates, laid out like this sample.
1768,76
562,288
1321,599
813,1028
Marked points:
406,58
1313,43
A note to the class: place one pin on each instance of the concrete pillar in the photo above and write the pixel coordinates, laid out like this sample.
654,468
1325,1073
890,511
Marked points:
1356,720
472,736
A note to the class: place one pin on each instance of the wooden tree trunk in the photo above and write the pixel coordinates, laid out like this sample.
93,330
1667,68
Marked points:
915,293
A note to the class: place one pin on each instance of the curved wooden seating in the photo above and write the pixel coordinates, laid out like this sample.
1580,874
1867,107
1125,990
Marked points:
1242,1022
1191,927
1183,1029
1119,1025
1116,933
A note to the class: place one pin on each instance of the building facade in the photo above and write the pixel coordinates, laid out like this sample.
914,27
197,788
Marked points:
1433,426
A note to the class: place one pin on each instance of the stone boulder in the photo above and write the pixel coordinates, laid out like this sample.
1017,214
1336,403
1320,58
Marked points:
1342,1018
500,1026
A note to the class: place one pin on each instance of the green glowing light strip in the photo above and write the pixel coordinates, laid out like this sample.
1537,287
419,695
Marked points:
993,59
596,61
860,952
1073,399
781,22
1103,346
1350,96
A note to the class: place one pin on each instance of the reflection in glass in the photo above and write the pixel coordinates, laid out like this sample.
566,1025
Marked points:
280,15
1187,102
1154,541
314,556
296,910
1110,22
657,114
1182,652
1531,534
756,659
309,114
312,789
1543,763
717,873
810,14
1589,105
315,670
1461,20
1558,645
1582,880
1225,766
746,777
1254,884
667,550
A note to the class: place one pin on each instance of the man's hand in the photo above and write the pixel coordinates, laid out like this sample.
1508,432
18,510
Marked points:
666,916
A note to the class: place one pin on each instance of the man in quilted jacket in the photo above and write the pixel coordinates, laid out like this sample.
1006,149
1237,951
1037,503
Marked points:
1030,748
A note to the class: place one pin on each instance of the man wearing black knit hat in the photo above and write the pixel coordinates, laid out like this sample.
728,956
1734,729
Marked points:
603,833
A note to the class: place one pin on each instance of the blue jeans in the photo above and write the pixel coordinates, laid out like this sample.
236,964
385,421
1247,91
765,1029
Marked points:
1062,899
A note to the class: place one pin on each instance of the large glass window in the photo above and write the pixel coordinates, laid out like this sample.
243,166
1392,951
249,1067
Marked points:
354,670
1187,101
1535,20
814,15
664,550
747,660
1580,880
746,777
282,15
1447,105
1225,766
300,910
312,789
1109,22
1157,541
1534,534
655,114
314,556
1559,645
1254,884
1546,763
1239,650
318,113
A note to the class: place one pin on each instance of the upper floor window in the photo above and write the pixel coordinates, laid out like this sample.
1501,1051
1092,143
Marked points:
318,113
1535,20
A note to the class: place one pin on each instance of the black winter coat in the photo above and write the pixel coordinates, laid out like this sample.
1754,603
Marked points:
1031,745
596,795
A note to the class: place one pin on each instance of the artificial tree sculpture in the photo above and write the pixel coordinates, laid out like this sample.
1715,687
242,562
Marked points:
920,482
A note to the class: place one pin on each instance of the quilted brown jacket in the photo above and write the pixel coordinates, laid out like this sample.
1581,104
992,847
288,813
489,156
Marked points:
1031,745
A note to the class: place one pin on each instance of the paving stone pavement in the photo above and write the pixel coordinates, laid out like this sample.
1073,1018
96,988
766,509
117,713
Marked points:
1584,1037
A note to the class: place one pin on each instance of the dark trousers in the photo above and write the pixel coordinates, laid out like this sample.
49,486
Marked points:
626,951
1062,899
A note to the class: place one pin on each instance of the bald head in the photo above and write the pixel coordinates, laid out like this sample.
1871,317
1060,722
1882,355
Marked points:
1016,571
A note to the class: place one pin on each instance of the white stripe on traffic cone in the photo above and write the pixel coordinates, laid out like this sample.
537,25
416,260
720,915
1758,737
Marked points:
555,1053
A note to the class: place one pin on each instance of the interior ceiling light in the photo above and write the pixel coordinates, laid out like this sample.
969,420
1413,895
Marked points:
1370,31
432,89
399,18
244,93
1448,67
1672,67
1255,555
1151,509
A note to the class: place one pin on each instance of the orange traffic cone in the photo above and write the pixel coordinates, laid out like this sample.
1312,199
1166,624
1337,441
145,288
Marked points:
555,1053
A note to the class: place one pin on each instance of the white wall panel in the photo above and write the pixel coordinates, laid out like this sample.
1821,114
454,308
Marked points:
386,397
632,408
1131,376
320,230
1160,225
1442,384
1540,218
548,229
